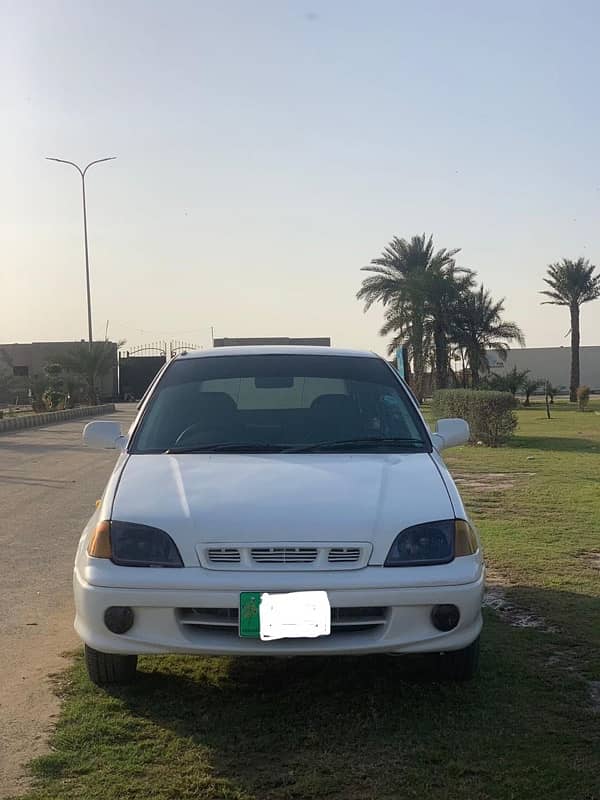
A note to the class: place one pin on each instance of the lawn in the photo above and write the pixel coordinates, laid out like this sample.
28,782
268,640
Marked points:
350,729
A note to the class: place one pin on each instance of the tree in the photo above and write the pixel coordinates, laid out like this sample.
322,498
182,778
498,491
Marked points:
512,382
444,289
572,283
477,327
413,282
53,395
90,364
551,391
398,323
529,386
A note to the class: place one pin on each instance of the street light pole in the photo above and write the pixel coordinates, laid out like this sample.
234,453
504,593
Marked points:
85,235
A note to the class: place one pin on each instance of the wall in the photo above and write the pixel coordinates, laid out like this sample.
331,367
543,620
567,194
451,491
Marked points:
551,363
36,355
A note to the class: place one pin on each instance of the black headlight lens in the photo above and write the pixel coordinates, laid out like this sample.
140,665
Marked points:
136,545
421,545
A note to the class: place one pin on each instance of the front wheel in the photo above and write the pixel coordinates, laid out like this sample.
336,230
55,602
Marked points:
107,668
458,665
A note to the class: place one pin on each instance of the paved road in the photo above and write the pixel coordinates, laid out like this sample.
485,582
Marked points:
49,483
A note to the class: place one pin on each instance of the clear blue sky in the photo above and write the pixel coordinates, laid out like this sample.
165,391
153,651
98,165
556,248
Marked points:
269,149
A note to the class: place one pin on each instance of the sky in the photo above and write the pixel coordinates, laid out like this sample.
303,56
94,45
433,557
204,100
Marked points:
269,149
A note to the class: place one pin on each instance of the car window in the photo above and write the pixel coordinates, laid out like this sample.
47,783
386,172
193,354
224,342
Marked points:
299,391
281,401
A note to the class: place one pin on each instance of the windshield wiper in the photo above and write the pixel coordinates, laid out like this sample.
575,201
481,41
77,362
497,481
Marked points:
228,447
357,444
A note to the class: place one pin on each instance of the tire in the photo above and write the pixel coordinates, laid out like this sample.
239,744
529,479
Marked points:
458,665
109,668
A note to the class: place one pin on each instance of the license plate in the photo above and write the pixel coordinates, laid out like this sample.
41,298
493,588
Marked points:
284,616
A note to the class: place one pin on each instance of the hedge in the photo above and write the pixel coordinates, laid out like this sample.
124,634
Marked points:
490,414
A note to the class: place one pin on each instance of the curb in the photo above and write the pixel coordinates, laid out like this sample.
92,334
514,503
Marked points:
35,420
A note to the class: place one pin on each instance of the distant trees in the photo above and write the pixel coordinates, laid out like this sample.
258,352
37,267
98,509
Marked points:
530,385
572,283
432,307
477,327
89,365
415,283
513,381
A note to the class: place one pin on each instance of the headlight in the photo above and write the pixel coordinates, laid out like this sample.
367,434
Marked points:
129,544
432,543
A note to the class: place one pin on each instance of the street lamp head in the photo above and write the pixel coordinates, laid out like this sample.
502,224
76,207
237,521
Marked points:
77,167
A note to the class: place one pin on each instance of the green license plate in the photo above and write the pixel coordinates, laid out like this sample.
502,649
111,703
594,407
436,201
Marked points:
249,615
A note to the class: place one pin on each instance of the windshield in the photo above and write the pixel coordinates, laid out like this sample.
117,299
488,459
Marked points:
275,403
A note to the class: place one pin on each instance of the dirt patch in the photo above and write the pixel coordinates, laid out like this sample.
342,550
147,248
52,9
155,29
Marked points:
28,704
591,559
489,481
484,492
517,616
568,661
594,694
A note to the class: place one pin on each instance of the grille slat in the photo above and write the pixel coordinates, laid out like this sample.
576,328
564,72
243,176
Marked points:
346,555
283,555
224,555
225,620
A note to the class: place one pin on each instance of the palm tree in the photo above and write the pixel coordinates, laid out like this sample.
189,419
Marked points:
412,281
444,290
398,323
90,364
513,382
530,385
478,327
572,283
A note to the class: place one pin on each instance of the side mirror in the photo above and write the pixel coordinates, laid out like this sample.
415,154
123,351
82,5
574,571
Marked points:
104,435
450,433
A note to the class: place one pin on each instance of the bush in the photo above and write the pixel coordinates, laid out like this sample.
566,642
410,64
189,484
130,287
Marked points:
52,399
583,397
490,414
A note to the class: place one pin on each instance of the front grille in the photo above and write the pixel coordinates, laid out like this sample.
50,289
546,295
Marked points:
290,556
283,555
351,619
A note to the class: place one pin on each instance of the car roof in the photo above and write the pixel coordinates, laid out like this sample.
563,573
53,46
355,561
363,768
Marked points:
266,349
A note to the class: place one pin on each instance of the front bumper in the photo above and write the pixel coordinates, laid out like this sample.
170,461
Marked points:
406,625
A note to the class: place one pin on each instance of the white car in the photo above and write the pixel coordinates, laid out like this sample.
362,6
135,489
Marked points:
278,501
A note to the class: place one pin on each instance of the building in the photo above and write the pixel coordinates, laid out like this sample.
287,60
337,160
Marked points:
551,363
318,341
27,361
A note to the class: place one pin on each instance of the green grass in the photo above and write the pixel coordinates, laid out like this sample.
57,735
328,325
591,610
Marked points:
376,727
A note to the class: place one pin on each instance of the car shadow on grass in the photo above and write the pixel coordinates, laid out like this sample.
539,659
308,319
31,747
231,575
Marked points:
374,726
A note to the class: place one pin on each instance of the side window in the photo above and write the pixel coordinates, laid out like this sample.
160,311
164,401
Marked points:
386,412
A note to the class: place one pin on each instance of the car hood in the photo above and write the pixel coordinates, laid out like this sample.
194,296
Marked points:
279,498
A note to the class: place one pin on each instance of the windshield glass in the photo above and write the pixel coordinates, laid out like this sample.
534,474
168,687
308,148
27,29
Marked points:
272,403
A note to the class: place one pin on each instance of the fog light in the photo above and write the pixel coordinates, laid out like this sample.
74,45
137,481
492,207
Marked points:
118,619
445,617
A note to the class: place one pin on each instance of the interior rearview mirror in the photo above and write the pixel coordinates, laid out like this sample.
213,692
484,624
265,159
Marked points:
450,433
102,434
